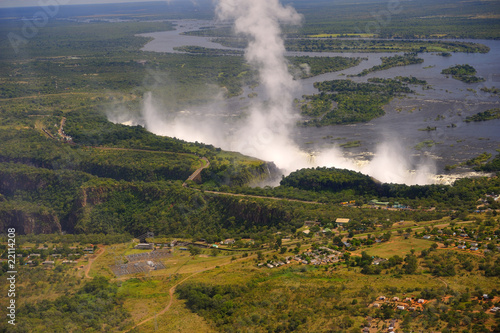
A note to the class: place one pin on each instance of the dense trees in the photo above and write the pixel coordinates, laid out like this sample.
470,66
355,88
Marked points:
94,307
465,73
355,102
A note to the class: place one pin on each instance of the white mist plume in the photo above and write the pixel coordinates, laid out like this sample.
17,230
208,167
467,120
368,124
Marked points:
390,165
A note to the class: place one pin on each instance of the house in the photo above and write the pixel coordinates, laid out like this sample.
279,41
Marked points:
474,244
66,262
395,299
311,223
306,231
55,255
144,246
229,241
34,255
485,296
474,248
346,244
408,299
341,222
378,261
421,301
89,250
401,307
412,308
426,237
462,247
376,305
48,263
327,230
495,309
382,298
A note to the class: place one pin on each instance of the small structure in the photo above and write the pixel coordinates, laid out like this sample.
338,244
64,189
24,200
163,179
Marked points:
341,222
307,231
412,308
378,261
311,223
426,237
421,301
48,263
462,247
395,299
144,246
495,309
376,305
401,307
382,298
89,250
229,241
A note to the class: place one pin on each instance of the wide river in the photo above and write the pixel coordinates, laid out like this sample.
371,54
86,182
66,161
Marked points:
448,102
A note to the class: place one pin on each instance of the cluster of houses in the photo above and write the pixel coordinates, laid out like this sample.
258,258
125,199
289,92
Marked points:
390,329
273,264
408,304
470,244
50,260
321,256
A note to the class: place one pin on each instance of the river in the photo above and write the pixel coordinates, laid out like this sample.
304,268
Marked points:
444,106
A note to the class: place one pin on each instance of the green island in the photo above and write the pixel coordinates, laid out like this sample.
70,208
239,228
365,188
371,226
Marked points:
120,230
484,116
465,73
394,61
354,102
347,45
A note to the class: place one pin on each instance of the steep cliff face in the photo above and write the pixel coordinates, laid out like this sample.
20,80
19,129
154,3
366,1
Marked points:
27,222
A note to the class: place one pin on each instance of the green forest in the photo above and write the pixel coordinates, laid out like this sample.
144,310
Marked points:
312,254
354,102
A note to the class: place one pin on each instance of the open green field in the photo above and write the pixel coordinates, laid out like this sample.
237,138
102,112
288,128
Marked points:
396,245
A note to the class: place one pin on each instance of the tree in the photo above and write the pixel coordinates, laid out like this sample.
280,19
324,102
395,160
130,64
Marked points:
193,250
411,264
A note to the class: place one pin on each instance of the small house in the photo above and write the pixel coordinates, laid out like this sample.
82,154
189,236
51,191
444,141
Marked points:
401,307
421,301
48,263
395,299
144,246
426,237
382,298
341,222
376,305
